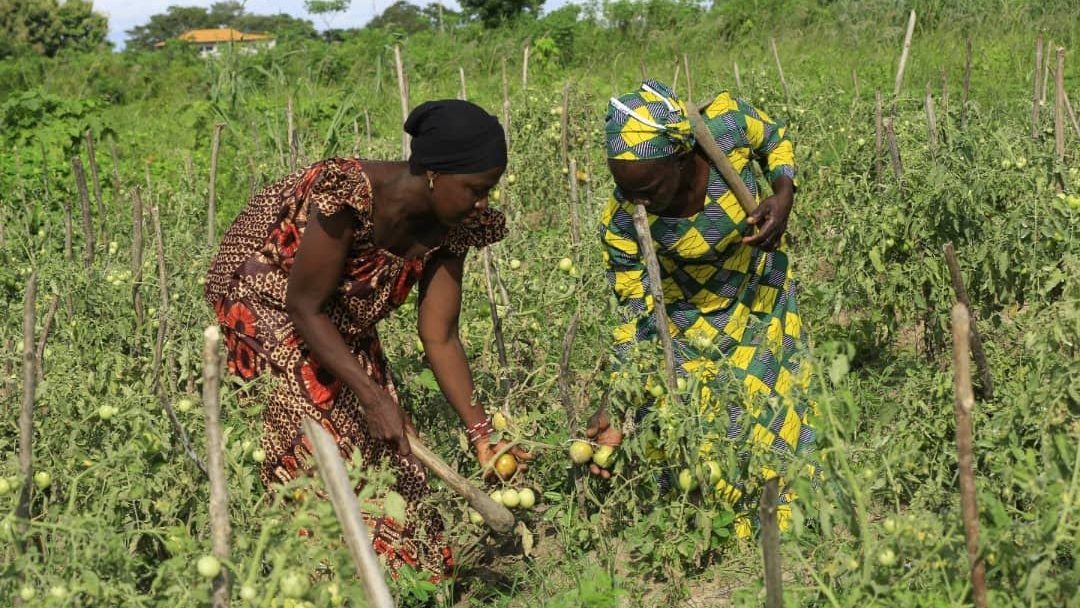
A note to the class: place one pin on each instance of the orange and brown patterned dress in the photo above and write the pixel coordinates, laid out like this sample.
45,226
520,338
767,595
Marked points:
246,287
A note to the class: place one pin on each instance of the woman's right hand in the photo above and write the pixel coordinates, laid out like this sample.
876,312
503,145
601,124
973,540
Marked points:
601,431
388,422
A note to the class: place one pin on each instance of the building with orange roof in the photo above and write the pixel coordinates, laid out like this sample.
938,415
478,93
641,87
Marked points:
211,41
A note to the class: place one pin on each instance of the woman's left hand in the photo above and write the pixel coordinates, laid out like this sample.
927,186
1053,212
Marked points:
771,219
486,451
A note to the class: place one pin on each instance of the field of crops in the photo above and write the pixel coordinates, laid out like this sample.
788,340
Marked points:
118,512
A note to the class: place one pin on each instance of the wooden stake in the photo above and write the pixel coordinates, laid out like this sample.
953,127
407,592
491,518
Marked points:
496,516
575,218
463,93
855,83
46,327
675,79
944,93
116,183
931,120
215,457
496,322
904,56
689,80
1059,117
1072,114
879,148
367,128
967,84
720,160
26,412
403,94
965,403
894,152
69,232
290,133
564,126
211,204
525,67
84,198
163,305
738,81
770,543
505,202
780,69
648,253
1036,87
1046,73
91,157
987,386
137,258
339,488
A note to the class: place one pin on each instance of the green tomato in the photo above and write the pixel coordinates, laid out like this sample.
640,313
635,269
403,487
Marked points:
580,452
5,487
59,592
715,473
603,456
294,585
687,481
247,593
515,264
258,455
886,558
889,525
42,479
566,265
208,566
527,498
106,412
510,498
497,496
27,593
475,517
657,390
184,405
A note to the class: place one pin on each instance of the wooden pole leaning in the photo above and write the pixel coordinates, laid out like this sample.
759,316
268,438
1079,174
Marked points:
336,478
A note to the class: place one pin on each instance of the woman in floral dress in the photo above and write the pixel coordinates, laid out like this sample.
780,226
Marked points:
311,265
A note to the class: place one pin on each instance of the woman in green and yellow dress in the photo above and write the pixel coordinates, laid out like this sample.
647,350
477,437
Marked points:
729,292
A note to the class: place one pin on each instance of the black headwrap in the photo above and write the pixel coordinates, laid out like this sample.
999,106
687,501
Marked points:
455,136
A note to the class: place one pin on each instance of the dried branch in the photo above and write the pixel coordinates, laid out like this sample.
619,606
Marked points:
220,531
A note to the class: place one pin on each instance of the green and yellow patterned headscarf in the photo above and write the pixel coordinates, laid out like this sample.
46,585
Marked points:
647,124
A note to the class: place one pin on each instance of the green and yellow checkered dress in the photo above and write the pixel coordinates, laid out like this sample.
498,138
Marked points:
724,299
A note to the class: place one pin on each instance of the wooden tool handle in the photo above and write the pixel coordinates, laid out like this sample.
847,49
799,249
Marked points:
495,515
719,158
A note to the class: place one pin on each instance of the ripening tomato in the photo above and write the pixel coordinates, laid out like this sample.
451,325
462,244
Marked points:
498,420
527,498
580,452
510,498
506,465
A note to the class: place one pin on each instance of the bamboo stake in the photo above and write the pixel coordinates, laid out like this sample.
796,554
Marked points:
965,403
987,386
879,148
340,489
26,412
91,157
525,67
780,69
46,327
290,133
403,94
904,55
84,198
931,120
496,516
211,204
738,81
1059,117
967,84
648,252
894,152
770,543
689,80
215,458
137,258
1036,87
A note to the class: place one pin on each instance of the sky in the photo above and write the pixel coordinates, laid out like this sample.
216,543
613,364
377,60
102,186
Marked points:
126,14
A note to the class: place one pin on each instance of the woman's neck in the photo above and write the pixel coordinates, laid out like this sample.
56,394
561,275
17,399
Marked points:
690,196
401,209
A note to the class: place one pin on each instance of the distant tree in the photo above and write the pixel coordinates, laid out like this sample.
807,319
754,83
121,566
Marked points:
283,27
494,12
46,27
325,8
408,18
168,25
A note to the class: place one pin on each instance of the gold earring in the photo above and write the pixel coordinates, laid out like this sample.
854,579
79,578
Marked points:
430,183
